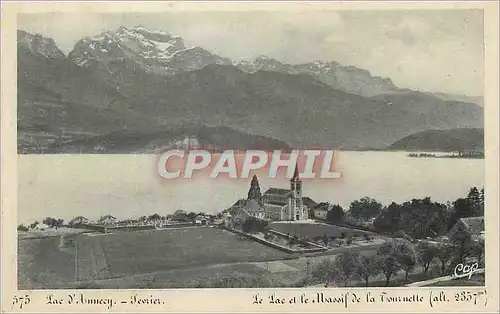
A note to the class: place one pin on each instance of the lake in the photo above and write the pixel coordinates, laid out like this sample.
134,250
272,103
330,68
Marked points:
128,186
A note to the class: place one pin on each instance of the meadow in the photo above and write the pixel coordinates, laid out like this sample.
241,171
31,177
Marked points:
44,264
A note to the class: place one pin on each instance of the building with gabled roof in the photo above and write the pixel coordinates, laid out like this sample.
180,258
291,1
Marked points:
475,225
245,208
107,220
80,220
286,204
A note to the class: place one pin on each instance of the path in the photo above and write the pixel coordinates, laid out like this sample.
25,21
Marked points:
439,279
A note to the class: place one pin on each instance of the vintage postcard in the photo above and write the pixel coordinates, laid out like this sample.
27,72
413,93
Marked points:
249,157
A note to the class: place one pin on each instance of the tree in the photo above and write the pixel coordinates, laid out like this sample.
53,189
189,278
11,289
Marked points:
461,240
154,217
324,270
254,225
335,214
419,218
345,266
406,256
293,240
367,267
444,253
348,240
249,226
254,191
387,260
426,254
192,215
389,266
33,225
462,208
389,219
51,222
365,208
476,202
22,228
477,251
325,239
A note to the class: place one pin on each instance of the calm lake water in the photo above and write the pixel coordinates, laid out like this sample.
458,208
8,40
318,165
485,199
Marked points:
127,186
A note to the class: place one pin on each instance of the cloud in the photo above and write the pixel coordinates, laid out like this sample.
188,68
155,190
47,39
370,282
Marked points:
409,31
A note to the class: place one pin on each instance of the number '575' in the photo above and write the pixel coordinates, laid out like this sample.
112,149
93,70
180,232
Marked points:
21,301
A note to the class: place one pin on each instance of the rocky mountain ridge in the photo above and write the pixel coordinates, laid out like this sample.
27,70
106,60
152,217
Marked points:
135,79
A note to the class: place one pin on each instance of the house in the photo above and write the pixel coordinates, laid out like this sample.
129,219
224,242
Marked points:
40,227
254,209
235,216
286,204
107,220
187,143
320,211
473,224
310,204
200,220
80,220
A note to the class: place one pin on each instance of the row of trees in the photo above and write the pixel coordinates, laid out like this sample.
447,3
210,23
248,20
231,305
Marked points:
400,255
422,218
48,221
52,222
419,218
181,215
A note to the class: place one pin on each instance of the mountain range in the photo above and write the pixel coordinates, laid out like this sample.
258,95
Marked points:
135,80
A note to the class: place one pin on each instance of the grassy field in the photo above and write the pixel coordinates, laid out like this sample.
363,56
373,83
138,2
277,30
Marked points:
44,264
312,230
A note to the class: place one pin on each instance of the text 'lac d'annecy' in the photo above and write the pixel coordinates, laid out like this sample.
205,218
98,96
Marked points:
313,164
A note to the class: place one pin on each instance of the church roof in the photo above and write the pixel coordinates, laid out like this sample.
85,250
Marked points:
309,202
276,191
295,174
252,206
237,212
239,202
245,207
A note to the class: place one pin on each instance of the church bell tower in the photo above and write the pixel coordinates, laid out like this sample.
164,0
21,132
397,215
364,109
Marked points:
296,183
298,211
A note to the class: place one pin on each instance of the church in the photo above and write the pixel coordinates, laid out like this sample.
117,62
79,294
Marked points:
280,204
286,204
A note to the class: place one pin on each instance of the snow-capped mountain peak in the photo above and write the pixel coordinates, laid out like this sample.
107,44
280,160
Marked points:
153,50
263,63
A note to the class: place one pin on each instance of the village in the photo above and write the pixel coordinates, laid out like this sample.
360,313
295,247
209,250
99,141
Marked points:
367,242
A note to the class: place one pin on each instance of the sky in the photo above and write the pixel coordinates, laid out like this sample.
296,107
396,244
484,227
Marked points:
432,50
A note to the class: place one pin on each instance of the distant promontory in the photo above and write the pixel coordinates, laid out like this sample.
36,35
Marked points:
454,140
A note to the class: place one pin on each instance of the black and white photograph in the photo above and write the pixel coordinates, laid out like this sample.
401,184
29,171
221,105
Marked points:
251,149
